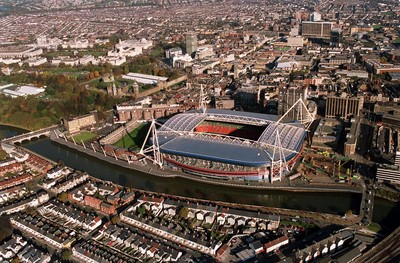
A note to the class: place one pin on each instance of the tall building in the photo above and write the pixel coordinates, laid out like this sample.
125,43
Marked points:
294,31
390,173
191,43
315,17
316,29
288,97
343,107
336,37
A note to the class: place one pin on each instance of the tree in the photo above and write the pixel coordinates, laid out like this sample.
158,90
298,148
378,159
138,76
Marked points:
141,210
115,219
5,228
348,214
63,197
30,210
183,212
3,154
66,254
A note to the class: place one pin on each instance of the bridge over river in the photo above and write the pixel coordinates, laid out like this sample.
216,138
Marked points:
26,137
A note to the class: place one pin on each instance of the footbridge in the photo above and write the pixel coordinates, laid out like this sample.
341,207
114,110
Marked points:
30,135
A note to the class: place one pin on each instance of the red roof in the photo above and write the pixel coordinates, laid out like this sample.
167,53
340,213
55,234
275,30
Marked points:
276,241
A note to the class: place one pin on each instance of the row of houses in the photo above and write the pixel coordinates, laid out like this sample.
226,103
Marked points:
326,246
18,248
34,200
71,215
67,183
90,252
12,193
229,216
129,216
58,172
53,235
14,181
224,216
136,240
10,166
103,197
36,163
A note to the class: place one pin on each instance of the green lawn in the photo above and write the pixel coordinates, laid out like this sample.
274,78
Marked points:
135,138
85,136
374,227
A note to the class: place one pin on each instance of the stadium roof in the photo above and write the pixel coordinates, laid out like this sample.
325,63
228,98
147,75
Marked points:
219,152
177,137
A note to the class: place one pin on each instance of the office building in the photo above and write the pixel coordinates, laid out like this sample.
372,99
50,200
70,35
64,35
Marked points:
191,43
315,17
336,37
317,29
390,173
343,107
288,97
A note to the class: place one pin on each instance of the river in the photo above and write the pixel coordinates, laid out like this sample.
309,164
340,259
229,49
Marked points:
334,203
324,202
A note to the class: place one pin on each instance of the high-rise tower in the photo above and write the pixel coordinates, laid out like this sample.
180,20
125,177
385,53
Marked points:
191,43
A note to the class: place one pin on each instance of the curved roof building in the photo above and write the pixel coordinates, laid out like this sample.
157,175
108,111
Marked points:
224,144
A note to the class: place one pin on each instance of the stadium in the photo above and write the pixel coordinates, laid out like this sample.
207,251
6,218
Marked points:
223,144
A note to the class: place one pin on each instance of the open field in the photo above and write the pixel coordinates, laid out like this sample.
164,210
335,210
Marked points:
134,139
85,136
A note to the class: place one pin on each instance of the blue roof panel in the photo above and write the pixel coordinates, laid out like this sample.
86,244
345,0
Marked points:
216,151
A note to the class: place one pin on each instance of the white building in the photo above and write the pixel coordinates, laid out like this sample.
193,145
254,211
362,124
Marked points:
77,44
85,60
20,52
204,51
36,61
20,91
115,61
181,61
172,52
144,78
130,48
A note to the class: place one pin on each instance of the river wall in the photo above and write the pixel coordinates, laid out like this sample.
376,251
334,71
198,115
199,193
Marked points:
150,168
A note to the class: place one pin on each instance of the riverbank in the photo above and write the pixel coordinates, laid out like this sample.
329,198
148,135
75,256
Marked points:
20,127
387,194
322,218
152,169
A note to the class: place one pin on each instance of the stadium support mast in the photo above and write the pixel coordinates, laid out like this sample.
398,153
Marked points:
280,165
301,108
202,105
155,147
